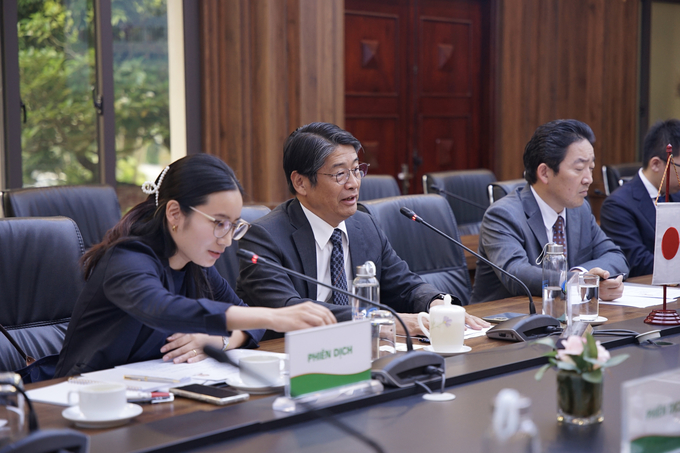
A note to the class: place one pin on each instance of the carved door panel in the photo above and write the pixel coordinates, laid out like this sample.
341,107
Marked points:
414,78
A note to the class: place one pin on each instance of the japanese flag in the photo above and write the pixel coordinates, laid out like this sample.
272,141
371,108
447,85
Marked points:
667,245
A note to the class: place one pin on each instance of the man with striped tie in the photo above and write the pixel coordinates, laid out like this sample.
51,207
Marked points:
558,166
318,231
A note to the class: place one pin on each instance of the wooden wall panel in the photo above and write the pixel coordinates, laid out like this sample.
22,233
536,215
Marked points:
567,59
267,68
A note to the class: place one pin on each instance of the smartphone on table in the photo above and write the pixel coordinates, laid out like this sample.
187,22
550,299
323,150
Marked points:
213,395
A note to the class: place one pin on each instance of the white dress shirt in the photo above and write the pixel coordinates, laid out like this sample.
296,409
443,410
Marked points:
653,191
322,238
550,217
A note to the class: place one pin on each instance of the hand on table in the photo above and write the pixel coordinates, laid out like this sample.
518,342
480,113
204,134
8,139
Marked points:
475,323
188,347
301,316
609,289
411,321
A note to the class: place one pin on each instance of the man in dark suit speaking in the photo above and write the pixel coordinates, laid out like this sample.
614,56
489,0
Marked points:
628,215
558,166
321,234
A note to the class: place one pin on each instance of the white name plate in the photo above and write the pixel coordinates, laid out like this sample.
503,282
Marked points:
651,413
330,356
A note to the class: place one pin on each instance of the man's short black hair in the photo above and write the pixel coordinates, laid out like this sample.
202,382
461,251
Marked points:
549,145
308,147
660,135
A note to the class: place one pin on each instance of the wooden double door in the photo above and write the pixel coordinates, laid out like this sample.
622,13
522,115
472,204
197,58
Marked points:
418,85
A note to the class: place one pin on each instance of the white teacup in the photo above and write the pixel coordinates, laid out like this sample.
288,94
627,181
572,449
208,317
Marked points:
260,370
100,400
447,327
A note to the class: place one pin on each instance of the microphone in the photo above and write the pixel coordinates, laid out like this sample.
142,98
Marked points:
437,190
398,369
415,217
519,328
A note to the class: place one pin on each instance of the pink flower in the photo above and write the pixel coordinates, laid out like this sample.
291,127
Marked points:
602,355
573,346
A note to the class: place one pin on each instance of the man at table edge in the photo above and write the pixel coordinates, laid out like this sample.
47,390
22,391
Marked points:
322,169
628,215
558,166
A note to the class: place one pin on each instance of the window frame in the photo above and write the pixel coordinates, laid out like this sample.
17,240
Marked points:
10,114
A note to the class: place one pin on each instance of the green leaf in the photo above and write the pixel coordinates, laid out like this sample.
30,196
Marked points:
616,360
546,341
567,366
541,371
590,349
593,376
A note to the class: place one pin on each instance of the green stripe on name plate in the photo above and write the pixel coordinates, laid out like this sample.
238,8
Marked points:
314,382
656,444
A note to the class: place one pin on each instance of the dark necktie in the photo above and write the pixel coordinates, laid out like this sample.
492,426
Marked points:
338,277
558,234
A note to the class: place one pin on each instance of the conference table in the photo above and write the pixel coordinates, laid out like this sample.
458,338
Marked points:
399,419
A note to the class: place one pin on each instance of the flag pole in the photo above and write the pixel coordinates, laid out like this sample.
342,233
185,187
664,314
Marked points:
665,317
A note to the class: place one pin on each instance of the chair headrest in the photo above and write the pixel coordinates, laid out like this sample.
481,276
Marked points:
40,275
94,208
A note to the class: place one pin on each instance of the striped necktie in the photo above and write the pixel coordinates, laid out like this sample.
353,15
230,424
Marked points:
338,277
558,234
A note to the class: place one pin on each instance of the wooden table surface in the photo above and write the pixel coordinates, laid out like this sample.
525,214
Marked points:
49,416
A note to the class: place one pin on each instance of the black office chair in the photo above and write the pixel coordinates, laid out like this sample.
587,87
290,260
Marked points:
94,208
227,265
614,176
468,184
499,189
437,260
40,280
378,186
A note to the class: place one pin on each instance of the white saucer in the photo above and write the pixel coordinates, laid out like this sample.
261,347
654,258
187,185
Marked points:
463,350
73,414
236,382
595,322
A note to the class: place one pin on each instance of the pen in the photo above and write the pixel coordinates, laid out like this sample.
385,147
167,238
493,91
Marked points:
149,397
616,275
133,377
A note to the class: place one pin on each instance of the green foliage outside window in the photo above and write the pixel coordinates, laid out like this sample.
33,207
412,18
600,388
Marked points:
56,59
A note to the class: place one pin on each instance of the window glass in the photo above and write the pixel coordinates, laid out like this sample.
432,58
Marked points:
140,62
56,70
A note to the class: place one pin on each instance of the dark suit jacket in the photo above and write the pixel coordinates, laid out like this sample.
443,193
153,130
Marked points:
284,236
130,305
513,235
628,216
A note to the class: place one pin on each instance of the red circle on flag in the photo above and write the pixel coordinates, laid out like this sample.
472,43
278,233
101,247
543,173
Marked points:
670,243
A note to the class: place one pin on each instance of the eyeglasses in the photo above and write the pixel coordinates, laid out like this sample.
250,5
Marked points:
342,176
224,227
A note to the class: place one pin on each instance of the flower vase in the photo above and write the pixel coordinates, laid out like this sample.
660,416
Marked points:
579,402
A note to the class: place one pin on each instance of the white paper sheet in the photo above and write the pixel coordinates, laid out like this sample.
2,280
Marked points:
643,296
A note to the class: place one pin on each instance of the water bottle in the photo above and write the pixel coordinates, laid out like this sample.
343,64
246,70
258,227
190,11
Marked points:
554,279
512,430
365,285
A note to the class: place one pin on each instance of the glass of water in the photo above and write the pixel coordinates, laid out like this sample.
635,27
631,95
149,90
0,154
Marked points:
383,334
589,287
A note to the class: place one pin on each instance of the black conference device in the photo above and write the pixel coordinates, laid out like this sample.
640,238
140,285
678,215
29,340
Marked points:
524,328
518,328
400,369
403,368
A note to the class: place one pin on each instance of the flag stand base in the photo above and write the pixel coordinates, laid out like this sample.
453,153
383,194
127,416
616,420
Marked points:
663,317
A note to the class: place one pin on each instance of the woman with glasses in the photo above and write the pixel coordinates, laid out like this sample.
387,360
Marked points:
152,290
